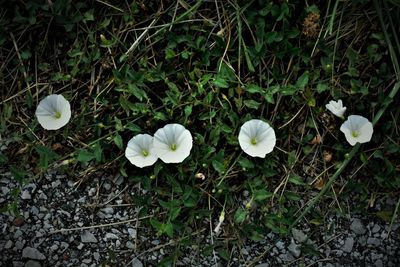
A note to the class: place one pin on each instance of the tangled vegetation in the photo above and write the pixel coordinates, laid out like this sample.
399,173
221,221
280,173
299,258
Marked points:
134,67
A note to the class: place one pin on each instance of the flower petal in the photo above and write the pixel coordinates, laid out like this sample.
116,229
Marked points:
361,126
51,106
173,135
136,146
336,107
260,132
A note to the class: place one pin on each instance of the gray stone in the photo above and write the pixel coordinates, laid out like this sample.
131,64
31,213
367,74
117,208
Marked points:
42,196
17,234
31,187
5,190
19,245
262,265
378,263
34,210
92,192
111,236
155,242
299,235
280,245
32,263
244,251
108,210
26,195
87,261
294,249
118,180
129,245
96,256
32,253
18,264
88,237
8,245
107,186
362,240
80,246
376,228
348,245
136,263
286,257
358,227
56,183
373,241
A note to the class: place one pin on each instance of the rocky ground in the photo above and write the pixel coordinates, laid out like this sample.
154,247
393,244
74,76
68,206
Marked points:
104,230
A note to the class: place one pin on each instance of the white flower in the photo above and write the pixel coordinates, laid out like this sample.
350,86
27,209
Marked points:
220,221
53,112
257,138
140,151
357,129
336,107
173,143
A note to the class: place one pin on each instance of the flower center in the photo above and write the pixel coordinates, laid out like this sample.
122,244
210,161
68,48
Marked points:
355,134
57,115
173,147
145,153
253,141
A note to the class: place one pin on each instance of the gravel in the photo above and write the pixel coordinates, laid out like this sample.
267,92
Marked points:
46,207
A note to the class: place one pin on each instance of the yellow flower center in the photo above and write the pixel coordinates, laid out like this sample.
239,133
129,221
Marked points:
57,115
145,153
253,141
355,134
173,147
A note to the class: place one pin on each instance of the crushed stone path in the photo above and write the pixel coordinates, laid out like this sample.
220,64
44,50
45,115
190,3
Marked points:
34,239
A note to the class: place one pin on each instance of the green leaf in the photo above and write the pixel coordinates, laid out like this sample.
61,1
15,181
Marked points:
218,166
118,141
156,224
46,156
85,156
3,158
169,229
292,158
220,82
251,104
174,213
188,111
322,87
246,164
302,81
252,88
295,179
18,174
240,215
224,253
261,194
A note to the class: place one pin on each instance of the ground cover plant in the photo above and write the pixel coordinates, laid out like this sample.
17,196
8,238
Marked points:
208,68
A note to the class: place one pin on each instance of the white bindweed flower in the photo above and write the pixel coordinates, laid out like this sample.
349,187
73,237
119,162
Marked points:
140,151
53,112
173,143
220,221
357,129
257,138
336,107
